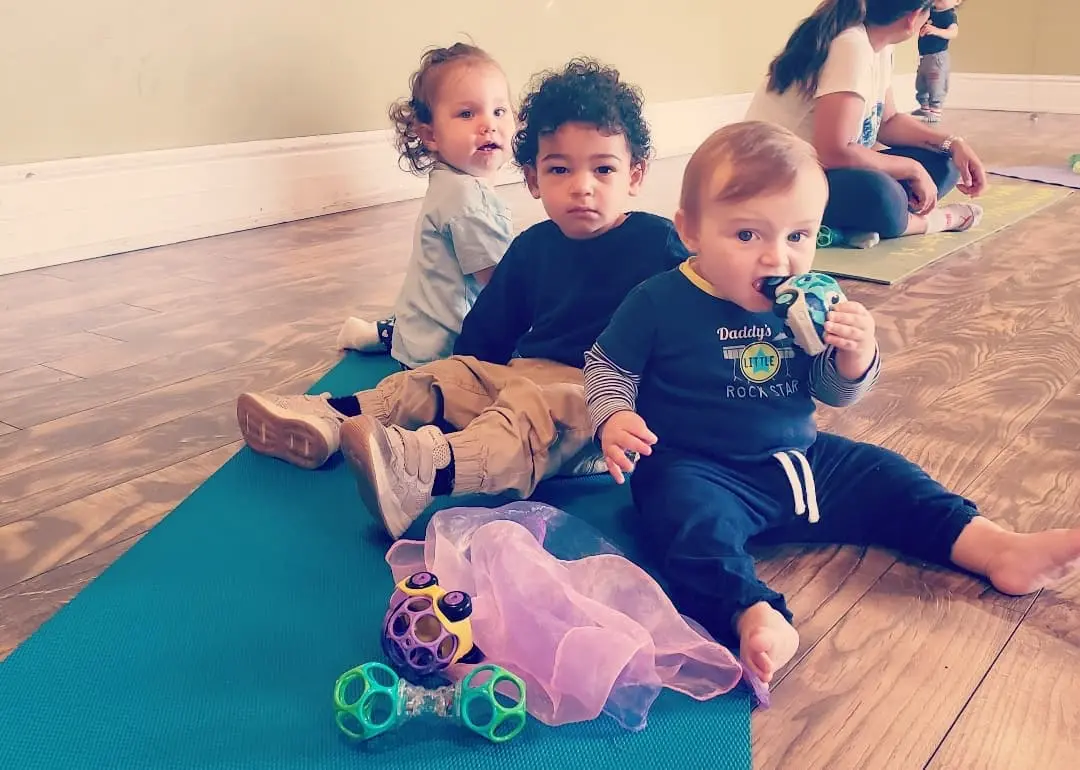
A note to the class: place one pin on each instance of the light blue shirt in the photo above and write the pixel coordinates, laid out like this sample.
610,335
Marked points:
463,228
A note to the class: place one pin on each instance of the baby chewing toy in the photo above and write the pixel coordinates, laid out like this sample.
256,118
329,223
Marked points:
804,302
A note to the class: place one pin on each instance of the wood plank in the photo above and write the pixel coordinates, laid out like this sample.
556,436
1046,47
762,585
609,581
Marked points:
881,689
14,335
968,426
54,439
95,467
51,348
80,395
5,428
319,308
933,338
69,532
59,461
1026,714
21,290
23,608
23,382
820,585
77,298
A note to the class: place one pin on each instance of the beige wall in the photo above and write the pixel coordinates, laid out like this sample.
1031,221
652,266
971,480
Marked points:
1037,37
94,78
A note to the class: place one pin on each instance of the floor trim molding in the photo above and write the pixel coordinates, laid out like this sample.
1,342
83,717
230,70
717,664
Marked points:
1015,93
68,210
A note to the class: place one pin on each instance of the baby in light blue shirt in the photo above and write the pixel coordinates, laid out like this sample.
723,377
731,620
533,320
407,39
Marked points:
461,234
456,129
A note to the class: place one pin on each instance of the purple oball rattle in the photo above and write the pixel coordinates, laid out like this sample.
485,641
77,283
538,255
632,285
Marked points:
427,629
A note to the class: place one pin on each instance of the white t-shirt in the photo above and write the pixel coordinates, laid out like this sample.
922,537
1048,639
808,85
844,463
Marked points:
851,66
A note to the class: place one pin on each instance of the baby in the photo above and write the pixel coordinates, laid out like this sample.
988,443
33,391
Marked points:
456,128
697,376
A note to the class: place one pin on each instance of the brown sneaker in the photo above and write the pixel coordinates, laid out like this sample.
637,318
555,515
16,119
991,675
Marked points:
302,430
394,468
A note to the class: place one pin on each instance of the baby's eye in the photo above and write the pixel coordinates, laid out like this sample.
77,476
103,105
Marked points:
602,170
465,114
557,170
745,235
796,237
500,111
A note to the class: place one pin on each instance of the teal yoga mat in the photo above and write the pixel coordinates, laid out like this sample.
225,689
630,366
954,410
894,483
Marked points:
215,641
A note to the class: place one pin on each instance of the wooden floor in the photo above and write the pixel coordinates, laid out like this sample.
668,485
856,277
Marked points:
117,385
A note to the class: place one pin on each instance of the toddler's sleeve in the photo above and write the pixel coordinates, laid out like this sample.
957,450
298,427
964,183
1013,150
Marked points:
614,364
480,236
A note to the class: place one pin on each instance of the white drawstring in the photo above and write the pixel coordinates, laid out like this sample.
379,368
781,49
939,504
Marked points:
809,505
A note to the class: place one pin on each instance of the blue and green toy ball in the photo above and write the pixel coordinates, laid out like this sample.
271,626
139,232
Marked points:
804,302
372,699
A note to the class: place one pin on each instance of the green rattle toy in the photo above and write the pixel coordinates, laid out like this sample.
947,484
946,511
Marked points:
372,699
1074,163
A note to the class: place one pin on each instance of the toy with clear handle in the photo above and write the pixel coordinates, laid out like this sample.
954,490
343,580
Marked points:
372,699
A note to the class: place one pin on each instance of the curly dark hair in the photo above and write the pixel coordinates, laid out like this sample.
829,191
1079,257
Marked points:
408,114
585,91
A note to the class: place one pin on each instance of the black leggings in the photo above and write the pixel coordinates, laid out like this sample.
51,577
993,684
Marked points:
863,200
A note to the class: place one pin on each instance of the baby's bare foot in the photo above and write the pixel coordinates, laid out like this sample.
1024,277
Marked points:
766,640
1032,561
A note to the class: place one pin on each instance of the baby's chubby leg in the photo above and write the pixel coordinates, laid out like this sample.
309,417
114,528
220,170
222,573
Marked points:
696,518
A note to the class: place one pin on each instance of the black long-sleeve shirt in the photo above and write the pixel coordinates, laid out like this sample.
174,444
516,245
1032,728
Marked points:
551,296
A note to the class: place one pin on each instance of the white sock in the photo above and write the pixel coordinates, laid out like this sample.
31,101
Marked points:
358,334
953,218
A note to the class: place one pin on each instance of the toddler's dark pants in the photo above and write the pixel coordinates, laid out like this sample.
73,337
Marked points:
697,516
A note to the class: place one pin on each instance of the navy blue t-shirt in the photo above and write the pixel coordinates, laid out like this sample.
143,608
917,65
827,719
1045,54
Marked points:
712,378
932,43
550,296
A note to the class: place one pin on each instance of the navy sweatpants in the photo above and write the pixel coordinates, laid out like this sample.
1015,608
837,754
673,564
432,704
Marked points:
698,515
865,200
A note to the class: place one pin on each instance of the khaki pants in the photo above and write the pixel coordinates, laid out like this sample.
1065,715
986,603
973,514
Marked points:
517,424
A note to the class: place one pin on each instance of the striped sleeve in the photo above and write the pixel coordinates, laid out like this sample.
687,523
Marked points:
830,387
608,388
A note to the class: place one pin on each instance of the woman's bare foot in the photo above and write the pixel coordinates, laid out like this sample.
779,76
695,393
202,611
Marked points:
1017,563
766,640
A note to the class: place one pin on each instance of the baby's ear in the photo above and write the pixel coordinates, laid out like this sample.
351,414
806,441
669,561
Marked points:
637,176
530,181
427,136
687,230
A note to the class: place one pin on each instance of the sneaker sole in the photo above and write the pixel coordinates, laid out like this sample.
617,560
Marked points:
367,453
269,430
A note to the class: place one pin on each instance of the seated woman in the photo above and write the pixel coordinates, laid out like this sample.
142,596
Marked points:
832,85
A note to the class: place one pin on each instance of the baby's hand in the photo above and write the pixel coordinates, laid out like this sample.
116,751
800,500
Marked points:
621,433
850,329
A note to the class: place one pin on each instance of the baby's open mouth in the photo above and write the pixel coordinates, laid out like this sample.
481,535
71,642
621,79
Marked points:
489,147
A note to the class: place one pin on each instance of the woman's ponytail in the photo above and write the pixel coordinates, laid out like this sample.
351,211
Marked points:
800,63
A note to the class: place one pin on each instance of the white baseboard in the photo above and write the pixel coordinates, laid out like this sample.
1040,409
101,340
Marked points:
69,210
1015,93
